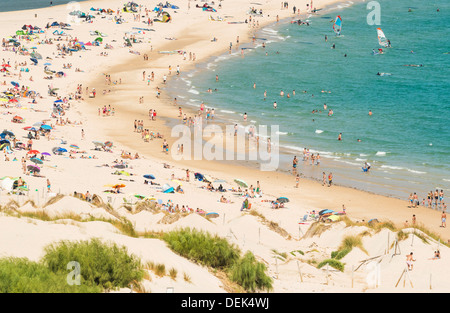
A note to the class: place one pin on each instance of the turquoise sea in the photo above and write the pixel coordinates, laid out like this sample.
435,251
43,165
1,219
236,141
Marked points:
406,140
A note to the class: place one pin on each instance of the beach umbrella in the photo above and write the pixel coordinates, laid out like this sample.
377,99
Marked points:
149,176
34,60
283,200
4,145
17,117
7,183
47,63
46,127
109,144
15,84
38,124
61,150
6,65
36,161
4,141
33,152
119,166
220,181
30,128
325,211
46,153
212,214
99,39
207,178
74,147
34,168
241,183
333,218
176,181
98,143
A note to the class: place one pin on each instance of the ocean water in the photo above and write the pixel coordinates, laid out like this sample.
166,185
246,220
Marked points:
18,5
406,139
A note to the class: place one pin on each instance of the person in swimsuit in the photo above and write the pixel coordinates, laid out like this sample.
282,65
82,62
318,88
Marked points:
294,165
436,197
409,261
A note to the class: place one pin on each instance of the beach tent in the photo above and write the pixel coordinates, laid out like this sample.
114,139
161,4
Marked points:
241,183
198,176
167,189
165,18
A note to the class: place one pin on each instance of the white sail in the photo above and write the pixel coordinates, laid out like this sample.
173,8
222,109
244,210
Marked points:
382,40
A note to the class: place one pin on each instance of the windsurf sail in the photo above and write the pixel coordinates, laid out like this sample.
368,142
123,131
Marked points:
382,40
337,26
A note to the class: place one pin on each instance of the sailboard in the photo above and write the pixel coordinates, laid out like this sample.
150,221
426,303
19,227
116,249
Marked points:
337,26
382,40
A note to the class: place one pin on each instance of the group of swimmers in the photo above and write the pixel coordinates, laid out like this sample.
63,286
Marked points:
434,200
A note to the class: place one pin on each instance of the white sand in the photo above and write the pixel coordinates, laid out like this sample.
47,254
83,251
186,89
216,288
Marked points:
26,237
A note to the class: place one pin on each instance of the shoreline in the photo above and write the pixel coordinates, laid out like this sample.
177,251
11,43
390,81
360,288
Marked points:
284,179
350,173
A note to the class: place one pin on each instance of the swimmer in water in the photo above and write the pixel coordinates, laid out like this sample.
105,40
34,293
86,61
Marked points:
370,113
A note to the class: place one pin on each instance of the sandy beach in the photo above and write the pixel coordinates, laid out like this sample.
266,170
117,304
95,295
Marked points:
272,235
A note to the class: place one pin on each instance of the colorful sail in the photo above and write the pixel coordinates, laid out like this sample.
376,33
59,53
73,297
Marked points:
337,26
382,40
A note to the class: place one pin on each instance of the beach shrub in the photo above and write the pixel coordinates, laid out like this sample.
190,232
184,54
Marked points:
333,263
250,274
20,275
340,254
202,247
105,265
350,242
219,254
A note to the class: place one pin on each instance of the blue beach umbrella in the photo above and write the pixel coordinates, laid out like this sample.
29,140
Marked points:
36,161
149,176
48,127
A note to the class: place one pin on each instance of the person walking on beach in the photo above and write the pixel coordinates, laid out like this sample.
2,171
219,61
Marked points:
409,261
443,219
297,180
49,189
330,179
294,165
